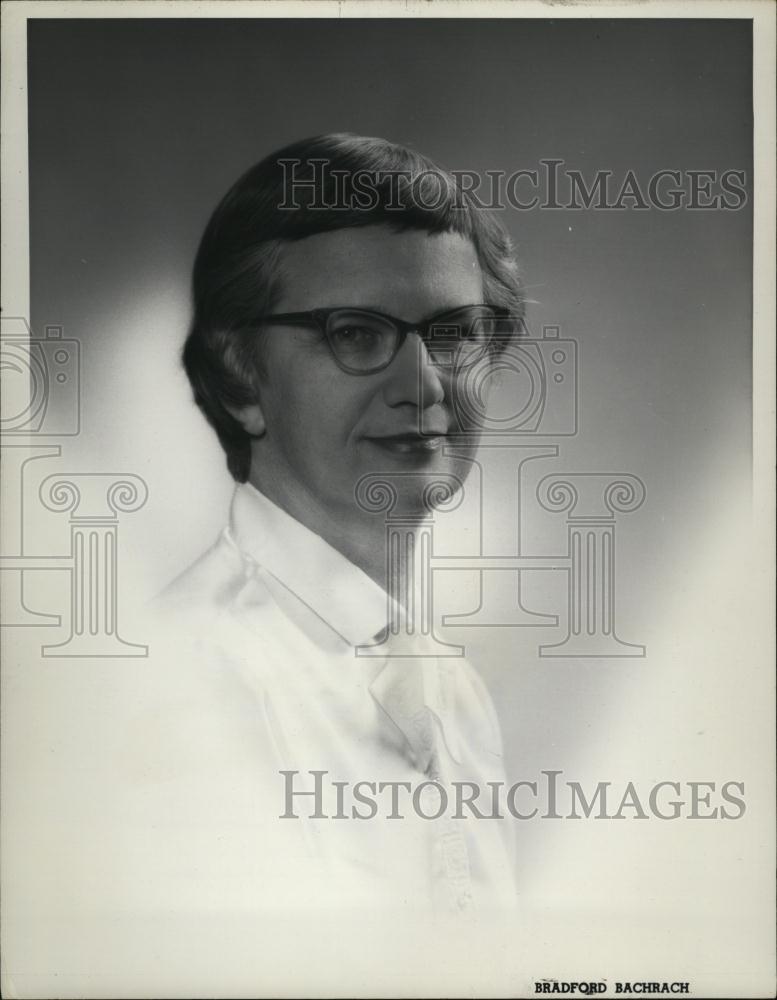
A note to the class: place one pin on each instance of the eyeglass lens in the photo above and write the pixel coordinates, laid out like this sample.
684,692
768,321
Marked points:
364,341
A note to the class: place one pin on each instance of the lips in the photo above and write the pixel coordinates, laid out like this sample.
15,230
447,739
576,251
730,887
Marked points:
409,444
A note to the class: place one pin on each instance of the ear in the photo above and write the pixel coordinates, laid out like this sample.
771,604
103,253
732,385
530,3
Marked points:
250,418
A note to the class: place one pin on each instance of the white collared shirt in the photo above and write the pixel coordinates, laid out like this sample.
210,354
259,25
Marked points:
259,676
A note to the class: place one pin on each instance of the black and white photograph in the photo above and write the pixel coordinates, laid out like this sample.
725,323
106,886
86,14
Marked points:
387,559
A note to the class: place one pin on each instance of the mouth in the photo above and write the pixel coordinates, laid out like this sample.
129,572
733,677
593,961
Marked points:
409,444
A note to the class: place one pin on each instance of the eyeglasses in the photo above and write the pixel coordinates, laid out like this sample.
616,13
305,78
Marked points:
363,341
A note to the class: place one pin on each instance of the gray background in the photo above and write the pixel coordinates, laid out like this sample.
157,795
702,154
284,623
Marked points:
137,128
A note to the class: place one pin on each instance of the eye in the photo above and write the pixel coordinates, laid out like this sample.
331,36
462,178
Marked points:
354,334
356,337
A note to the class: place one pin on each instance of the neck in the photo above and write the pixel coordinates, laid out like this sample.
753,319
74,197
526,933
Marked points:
356,534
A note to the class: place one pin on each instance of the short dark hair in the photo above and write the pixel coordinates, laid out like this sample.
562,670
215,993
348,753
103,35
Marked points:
236,274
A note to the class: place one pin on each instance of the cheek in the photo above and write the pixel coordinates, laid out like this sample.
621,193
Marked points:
319,416
470,394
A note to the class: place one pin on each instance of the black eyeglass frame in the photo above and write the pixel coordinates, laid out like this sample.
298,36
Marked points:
320,318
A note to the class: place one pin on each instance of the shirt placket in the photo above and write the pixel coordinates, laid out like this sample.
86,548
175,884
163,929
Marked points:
450,862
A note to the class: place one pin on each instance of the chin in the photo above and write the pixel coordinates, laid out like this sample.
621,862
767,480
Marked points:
417,492
411,484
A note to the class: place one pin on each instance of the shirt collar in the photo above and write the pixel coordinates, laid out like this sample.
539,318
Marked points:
350,602
320,576
412,693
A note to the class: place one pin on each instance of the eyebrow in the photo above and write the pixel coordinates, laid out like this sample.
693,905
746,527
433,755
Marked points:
386,311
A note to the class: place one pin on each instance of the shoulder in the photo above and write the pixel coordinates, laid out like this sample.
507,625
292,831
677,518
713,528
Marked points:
219,618
187,615
207,583
202,654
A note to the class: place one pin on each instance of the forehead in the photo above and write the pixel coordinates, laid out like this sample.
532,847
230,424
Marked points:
411,274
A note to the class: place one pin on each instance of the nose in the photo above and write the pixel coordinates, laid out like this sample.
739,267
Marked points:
412,377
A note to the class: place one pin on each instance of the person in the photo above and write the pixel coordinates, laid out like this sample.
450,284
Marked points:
349,298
